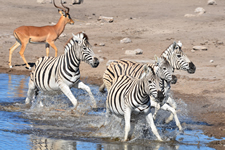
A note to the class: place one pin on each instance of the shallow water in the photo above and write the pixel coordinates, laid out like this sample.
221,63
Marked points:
57,126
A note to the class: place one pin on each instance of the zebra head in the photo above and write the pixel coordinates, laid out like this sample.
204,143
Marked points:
151,82
176,57
165,69
84,51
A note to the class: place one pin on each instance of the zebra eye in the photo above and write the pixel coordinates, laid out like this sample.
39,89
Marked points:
149,81
84,48
178,55
164,68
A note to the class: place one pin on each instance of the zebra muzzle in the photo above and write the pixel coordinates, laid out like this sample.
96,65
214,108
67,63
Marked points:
95,62
174,79
192,68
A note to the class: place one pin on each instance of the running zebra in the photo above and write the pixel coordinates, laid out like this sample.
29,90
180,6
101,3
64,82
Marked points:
62,72
126,67
129,95
177,60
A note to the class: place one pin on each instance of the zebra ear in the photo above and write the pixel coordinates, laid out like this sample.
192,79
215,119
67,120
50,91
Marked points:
174,45
179,44
145,71
76,38
157,59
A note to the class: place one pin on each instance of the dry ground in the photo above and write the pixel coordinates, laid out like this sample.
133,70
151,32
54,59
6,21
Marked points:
152,26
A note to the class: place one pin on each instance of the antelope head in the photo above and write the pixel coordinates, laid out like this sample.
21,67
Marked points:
64,11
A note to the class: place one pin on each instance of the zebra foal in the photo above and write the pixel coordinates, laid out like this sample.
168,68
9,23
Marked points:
128,95
62,72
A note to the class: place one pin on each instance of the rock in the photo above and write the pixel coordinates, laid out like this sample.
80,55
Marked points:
125,40
74,2
211,2
219,42
105,19
41,1
203,43
102,44
200,10
200,48
63,35
52,23
138,51
134,52
211,61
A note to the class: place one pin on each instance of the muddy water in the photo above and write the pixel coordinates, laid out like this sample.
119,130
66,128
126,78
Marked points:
57,126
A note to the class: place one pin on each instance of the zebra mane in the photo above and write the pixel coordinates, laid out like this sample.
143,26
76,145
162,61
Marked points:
171,47
143,73
70,42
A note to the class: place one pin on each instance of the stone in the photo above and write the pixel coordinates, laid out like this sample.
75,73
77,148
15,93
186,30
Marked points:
125,40
200,48
63,35
200,10
219,42
102,44
41,1
211,2
211,61
105,19
134,52
138,51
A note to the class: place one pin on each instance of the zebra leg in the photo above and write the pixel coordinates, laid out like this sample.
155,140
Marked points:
82,86
127,116
171,109
66,90
173,104
150,121
156,105
31,93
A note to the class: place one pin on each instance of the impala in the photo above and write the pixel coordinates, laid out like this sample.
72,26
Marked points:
45,34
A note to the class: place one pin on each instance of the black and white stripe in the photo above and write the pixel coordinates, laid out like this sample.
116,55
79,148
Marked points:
62,72
130,95
174,56
177,59
134,69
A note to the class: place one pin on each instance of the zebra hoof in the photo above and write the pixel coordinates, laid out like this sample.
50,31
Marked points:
181,131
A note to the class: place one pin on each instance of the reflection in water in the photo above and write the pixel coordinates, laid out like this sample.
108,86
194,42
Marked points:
16,85
58,127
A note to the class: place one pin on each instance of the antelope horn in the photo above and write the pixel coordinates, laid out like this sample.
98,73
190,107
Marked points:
65,7
58,6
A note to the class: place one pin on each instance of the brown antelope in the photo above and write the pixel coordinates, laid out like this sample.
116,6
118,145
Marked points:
45,34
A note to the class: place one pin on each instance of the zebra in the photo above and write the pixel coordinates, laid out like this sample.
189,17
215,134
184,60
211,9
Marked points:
62,72
129,95
176,59
134,69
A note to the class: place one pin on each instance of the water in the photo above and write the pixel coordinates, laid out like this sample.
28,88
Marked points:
57,126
